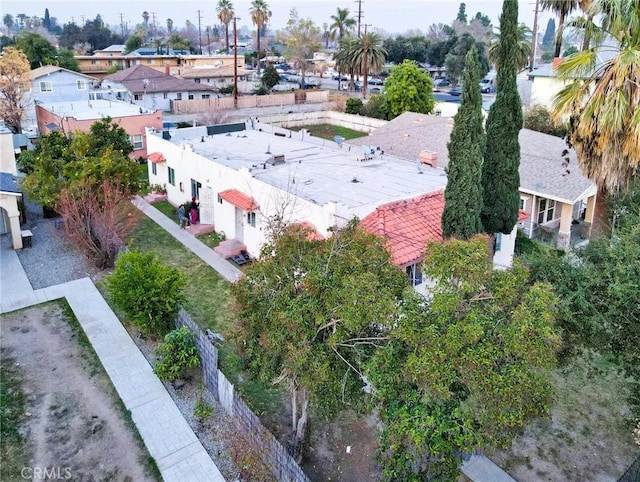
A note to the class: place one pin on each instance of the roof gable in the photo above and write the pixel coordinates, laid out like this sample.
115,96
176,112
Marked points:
408,225
239,199
52,69
141,78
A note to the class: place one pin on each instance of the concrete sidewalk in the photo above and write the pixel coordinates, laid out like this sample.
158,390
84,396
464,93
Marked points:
481,469
204,252
170,441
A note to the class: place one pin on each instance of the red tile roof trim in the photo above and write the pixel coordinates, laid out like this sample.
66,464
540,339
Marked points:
239,199
156,157
310,230
408,225
522,215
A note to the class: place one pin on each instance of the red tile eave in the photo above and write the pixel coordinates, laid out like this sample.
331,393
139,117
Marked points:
156,157
239,199
522,215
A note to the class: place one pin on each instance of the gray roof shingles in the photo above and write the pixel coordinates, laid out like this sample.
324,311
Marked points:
145,79
8,183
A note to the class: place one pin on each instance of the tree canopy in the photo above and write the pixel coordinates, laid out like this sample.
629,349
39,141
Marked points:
300,39
408,89
38,49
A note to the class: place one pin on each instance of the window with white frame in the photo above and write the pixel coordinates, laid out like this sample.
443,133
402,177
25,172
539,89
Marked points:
154,169
165,95
191,97
172,176
414,274
138,96
251,219
219,199
206,96
136,141
546,210
497,242
523,203
81,84
46,86
179,96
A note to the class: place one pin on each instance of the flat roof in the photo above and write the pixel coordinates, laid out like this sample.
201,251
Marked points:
94,109
318,173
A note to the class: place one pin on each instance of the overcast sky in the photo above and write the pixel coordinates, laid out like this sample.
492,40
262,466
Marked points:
391,16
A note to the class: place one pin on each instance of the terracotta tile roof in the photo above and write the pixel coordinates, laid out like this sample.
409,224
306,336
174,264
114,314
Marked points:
309,229
156,157
408,225
239,199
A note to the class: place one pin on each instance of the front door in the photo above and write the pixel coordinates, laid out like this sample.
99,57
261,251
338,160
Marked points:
195,188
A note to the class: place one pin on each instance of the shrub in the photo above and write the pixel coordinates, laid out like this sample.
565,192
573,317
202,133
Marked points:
376,107
353,106
539,119
176,354
147,291
227,89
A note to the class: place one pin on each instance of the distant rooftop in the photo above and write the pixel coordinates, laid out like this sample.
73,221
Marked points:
320,174
94,109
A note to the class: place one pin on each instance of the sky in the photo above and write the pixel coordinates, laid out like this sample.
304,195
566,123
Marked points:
392,17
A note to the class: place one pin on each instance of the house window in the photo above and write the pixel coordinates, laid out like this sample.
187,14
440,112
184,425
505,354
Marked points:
150,61
136,140
414,274
191,97
154,169
81,84
251,219
95,62
172,176
546,208
110,63
523,203
197,81
498,242
219,199
165,96
46,86
206,96
179,96
138,96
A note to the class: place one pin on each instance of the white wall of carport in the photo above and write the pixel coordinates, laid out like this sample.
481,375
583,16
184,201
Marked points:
271,199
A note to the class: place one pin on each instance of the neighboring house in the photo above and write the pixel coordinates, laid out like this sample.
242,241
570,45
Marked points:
245,177
98,64
57,84
545,84
102,61
560,200
220,76
9,193
150,88
80,116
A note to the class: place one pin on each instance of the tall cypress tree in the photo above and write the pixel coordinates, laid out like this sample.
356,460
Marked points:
500,176
463,196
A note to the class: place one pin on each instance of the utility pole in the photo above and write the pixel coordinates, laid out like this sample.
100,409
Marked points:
122,23
208,39
359,2
199,34
153,25
235,62
366,67
534,37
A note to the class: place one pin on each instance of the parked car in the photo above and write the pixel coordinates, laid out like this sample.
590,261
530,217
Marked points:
375,81
456,91
442,83
485,86
342,77
375,90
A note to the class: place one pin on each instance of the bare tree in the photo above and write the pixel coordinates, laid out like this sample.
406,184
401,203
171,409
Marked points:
15,85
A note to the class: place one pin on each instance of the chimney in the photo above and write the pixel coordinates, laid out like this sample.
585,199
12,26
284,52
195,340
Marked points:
429,157
167,69
556,62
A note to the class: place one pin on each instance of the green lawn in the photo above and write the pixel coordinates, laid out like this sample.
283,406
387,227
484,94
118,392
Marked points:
328,131
209,304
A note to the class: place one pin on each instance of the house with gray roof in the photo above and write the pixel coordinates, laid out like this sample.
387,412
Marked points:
558,197
150,88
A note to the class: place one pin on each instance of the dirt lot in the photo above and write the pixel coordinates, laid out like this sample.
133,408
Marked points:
72,423
589,436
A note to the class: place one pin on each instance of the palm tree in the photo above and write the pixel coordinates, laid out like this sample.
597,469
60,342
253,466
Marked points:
145,18
602,98
342,24
259,12
562,8
225,14
169,25
523,47
8,22
367,55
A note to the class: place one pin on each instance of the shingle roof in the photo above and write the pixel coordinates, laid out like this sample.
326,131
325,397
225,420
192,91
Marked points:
141,78
408,225
211,72
541,155
50,69
8,183
239,199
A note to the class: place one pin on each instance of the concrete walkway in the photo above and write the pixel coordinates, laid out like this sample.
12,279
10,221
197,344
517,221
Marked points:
481,469
204,252
170,441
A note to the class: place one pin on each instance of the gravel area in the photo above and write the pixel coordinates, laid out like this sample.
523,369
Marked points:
53,260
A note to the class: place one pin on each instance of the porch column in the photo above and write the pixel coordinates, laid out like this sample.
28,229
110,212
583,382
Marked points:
16,236
564,233
590,210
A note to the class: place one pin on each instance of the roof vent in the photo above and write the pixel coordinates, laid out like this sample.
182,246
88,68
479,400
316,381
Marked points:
277,159
429,157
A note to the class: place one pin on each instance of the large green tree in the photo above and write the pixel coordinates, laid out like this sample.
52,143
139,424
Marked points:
465,370
455,59
309,311
500,173
408,89
463,195
300,39
38,49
